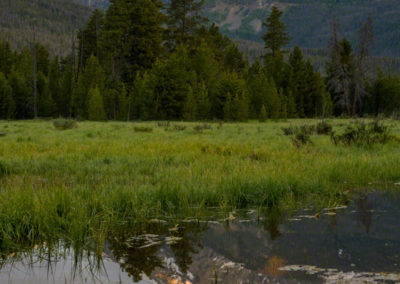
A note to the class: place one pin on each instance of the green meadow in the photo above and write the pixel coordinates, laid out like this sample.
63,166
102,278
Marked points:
76,184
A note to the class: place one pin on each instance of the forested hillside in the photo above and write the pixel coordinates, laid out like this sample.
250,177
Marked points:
308,20
54,22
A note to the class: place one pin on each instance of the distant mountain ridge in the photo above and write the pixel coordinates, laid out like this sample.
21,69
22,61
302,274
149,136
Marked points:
55,22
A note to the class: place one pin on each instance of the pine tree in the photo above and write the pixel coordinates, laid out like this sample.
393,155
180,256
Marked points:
228,108
22,95
276,36
7,58
190,107
240,107
142,104
205,66
89,38
123,105
92,76
45,101
184,19
66,90
170,83
228,83
7,104
263,114
132,37
234,60
297,79
96,106
203,101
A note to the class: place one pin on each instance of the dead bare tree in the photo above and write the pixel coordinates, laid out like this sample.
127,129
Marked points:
337,83
362,70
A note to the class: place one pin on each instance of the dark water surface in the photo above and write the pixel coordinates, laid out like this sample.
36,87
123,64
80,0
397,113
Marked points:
354,243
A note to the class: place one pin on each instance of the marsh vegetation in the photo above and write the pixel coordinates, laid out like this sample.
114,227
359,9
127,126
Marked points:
76,184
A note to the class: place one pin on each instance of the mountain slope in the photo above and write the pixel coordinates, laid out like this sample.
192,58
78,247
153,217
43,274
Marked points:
308,21
54,22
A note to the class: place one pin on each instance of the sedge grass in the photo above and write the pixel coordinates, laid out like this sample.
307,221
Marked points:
76,185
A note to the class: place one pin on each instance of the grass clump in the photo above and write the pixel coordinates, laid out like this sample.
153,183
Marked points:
176,127
200,127
143,129
301,139
4,169
363,133
64,124
2,134
163,124
323,128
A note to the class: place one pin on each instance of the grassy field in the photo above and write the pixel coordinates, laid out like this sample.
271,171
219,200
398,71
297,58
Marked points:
76,184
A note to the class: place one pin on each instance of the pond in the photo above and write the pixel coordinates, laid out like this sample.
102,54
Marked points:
356,242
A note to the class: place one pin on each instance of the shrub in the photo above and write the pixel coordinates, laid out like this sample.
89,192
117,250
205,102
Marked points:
4,169
301,139
216,150
288,130
201,127
306,129
363,134
143,129
163,124
323,127
64,124
178,127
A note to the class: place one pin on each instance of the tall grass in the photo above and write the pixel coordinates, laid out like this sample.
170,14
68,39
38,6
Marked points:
74,186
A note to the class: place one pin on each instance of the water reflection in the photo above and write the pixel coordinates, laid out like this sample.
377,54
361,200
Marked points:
250,245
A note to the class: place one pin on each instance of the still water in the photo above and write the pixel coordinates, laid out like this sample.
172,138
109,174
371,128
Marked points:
358,242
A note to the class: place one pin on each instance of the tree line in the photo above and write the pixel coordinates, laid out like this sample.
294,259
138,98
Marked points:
140,60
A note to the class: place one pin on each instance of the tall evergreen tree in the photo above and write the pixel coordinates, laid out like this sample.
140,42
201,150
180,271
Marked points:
297,80
275,38
132,37
7,104
170,82
89,38
96,106
190,107
6,58
184,19
92,76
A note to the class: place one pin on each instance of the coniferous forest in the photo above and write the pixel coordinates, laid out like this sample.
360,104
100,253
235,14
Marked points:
143,60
